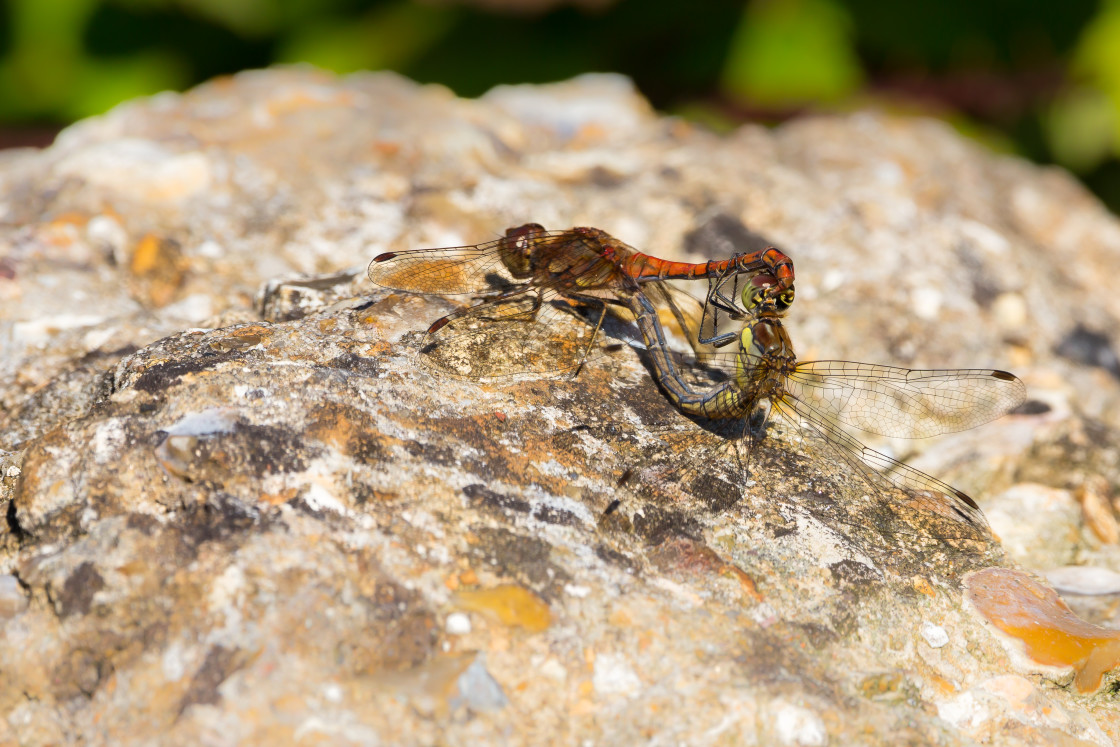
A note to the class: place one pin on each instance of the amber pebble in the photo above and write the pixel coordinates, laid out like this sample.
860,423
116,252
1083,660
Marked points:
1025,608
512,605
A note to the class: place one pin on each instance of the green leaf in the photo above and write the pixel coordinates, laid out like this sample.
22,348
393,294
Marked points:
793,52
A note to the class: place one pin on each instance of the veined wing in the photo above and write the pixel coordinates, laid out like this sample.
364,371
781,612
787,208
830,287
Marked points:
458,269
797,465
538,331
915,489
904,403
686,309
897,402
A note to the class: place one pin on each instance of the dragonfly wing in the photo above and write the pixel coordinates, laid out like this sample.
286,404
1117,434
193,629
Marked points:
542,258
940,510
537,331
900,402
450,270
687,311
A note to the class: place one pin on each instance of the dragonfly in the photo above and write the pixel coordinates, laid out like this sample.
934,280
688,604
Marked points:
819,398
545,277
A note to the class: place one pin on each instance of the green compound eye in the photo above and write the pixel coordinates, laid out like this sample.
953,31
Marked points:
752,298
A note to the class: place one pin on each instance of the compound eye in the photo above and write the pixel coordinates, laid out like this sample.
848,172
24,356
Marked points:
752,298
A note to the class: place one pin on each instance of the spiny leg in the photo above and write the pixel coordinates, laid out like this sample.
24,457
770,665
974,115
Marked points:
594,334
528,314
604,304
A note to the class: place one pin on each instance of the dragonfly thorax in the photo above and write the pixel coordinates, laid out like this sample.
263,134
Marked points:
765,359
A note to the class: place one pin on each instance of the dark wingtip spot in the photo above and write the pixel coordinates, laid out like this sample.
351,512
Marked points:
964,497
384,257
1004,376
438,324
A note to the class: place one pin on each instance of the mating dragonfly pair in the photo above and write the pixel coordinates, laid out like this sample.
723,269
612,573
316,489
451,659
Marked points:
537,283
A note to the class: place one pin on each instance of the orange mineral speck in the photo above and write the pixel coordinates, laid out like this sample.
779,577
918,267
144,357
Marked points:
922,587
1026,609
511,605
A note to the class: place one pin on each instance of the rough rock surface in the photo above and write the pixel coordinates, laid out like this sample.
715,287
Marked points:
239,510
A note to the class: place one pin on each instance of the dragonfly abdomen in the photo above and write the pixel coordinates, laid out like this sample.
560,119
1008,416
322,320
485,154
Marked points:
727,400
771,260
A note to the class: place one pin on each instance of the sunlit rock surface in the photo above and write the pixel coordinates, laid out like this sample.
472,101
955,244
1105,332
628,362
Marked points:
239,510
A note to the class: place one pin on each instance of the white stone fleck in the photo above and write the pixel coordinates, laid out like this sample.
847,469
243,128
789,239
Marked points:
1084,579
205,422
42,329
614,676
108,232
195,308
318,498
13,600
963,710
799,726
926,302
210,249
985,237
173,662
833,279
935,635
1010,310
457,623
107,440
576,591
553,669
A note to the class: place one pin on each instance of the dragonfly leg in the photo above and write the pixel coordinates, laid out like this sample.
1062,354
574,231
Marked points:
527,315
759,417
603,304
594,334
512,293
716,302
687,327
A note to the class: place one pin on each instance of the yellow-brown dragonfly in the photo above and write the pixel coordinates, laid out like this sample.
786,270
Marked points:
819,398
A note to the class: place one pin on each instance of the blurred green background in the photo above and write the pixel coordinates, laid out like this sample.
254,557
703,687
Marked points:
1035,77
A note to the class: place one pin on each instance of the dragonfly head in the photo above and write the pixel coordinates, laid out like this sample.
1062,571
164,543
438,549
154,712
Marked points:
760,299
518,246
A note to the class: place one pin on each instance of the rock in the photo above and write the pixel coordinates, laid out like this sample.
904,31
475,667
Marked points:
239,509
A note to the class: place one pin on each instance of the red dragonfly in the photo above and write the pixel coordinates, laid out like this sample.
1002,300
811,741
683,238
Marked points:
544,277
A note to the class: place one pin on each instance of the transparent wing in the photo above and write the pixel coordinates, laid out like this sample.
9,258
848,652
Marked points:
538,331
894,484
900,499
686,312
797,467
896,402
450,270
902,403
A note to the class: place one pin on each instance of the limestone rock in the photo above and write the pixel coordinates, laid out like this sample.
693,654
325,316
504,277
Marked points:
240,510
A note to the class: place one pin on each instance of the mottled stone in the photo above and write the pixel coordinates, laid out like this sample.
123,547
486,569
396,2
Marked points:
238,509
